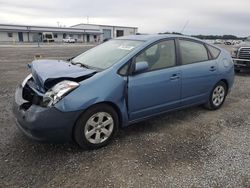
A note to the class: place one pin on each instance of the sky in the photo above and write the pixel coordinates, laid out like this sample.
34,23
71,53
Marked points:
191,17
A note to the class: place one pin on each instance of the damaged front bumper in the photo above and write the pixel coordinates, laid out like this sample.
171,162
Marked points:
42,123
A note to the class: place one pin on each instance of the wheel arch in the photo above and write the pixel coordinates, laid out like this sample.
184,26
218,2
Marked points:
226,82
116,108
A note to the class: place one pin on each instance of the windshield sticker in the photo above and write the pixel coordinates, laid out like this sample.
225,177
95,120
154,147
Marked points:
129,48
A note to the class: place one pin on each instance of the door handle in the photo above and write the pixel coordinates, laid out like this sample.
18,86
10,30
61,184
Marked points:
213,68
174,77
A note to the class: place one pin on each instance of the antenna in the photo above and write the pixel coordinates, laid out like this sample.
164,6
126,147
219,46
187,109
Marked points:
186,24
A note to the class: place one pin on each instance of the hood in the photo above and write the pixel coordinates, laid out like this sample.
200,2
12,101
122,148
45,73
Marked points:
47,73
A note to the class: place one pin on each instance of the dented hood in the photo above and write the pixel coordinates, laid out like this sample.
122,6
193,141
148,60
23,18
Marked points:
47,73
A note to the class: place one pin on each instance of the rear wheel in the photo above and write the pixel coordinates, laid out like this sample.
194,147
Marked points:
96,127
217,96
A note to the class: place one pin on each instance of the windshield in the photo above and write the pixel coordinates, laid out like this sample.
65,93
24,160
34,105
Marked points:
48,36
106,54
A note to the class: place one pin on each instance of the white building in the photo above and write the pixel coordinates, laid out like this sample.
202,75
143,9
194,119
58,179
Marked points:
109,31
87,33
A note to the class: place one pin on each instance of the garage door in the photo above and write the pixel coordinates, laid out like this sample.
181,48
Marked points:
106,33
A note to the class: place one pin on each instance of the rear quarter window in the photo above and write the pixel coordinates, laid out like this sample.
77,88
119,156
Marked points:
215,52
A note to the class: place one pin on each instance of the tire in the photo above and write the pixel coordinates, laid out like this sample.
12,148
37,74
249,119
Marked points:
96,127
217,96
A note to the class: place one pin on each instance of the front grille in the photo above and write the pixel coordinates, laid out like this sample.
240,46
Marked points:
244,53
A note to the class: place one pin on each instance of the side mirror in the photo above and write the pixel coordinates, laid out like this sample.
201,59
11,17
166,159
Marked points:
140,67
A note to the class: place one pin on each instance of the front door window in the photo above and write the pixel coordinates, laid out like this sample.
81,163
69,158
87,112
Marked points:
159,56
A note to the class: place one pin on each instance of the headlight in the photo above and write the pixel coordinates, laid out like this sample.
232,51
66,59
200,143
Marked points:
57,92
26,80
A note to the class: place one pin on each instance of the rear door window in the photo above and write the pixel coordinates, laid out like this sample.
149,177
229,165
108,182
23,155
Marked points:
192,52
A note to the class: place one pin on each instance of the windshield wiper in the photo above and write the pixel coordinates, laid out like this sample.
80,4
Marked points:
85,66
79,63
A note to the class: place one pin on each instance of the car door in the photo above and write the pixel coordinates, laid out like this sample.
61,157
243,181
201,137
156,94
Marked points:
199,72
158,89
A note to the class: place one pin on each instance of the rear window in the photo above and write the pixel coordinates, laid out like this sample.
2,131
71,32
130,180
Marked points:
214,51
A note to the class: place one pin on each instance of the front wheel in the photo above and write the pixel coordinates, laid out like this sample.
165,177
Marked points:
96,127
217,96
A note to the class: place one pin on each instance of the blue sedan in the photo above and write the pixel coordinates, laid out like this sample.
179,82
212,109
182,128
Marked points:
123,81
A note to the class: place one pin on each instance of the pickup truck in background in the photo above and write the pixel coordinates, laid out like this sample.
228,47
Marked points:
69,40
241,56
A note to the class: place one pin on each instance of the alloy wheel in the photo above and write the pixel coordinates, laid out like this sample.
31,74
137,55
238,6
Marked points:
99,127
218,95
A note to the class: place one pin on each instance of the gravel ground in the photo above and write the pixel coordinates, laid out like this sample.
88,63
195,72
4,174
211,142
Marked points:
187,148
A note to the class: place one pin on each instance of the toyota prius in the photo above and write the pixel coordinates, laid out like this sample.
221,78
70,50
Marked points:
87,99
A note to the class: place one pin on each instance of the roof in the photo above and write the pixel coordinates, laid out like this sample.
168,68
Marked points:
29,28
155,37
104,25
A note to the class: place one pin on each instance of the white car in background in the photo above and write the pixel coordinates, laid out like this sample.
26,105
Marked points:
218,41
69,40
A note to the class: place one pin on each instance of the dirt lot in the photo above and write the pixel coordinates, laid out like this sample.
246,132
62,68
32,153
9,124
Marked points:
187,148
